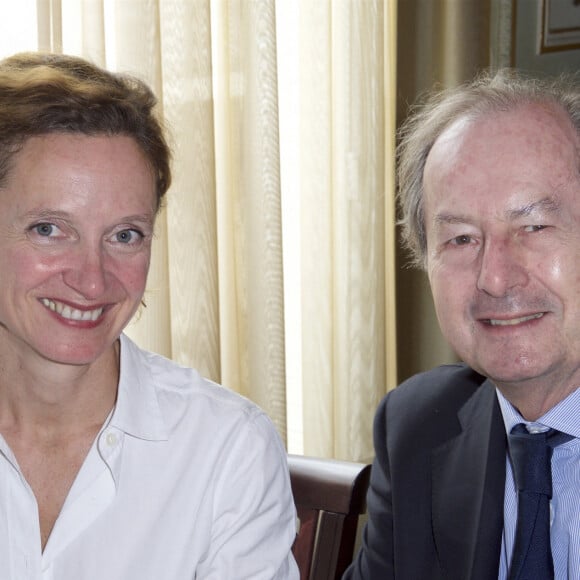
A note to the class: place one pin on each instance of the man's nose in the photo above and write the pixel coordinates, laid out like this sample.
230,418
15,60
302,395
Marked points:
501,268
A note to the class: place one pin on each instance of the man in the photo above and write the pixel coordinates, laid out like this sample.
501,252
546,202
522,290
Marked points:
489,177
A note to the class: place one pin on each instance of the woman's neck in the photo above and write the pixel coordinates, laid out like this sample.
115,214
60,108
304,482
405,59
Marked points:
40,395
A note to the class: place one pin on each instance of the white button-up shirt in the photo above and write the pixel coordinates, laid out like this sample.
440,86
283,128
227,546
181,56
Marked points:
185,480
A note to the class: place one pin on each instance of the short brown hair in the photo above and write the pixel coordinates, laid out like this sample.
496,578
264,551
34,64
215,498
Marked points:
49,93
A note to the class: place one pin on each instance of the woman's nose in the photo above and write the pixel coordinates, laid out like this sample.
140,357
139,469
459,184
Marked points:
86,273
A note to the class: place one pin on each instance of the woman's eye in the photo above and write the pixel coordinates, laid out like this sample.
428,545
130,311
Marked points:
128,236
45,230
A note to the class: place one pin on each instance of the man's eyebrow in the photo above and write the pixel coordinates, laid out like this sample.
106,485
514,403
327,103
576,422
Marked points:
450,219
547,204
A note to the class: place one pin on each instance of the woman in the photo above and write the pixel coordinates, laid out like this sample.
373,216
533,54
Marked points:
115,463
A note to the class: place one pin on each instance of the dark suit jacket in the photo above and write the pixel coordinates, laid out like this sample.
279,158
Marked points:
435,500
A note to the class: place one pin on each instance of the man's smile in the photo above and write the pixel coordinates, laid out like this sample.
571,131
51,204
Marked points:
513,321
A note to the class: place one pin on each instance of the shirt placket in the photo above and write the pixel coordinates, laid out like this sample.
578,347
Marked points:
91,494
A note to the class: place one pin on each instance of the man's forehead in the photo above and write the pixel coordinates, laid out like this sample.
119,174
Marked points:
540,115
469,138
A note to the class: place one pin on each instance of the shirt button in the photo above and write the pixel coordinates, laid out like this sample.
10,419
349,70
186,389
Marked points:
111,439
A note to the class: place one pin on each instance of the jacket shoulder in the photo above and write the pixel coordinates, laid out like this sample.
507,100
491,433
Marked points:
430,402
445,383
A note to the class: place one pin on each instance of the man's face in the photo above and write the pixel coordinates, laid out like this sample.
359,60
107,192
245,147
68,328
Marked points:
76,222
502,215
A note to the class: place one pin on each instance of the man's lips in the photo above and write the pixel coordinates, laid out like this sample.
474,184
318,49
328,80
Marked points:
512,321
71,313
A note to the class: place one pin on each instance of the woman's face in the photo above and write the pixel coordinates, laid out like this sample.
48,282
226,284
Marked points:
76,222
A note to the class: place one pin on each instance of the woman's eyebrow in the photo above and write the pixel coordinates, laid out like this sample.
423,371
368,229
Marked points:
46,213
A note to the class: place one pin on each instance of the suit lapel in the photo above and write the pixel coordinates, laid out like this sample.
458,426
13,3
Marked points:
468,477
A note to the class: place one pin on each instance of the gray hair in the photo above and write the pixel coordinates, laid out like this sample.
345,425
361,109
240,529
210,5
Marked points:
503,91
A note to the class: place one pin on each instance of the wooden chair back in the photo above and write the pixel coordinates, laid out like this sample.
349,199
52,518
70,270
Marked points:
330,496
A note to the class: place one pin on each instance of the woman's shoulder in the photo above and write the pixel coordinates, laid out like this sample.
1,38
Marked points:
179,388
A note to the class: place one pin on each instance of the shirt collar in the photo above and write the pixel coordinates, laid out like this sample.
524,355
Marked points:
563,417
137,411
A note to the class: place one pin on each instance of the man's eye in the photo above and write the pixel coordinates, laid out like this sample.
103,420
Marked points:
535,228
461,240
128,236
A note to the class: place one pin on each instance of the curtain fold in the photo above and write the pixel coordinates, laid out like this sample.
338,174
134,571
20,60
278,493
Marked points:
343,192
249,204
191,204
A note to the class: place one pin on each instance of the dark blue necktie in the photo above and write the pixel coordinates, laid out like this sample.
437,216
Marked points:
531,456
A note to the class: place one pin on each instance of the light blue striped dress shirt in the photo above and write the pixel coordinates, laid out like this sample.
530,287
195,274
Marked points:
565,504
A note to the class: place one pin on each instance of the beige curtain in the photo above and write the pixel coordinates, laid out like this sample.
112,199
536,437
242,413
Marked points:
220,281
346,193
